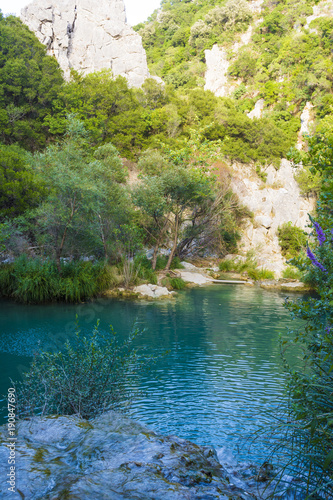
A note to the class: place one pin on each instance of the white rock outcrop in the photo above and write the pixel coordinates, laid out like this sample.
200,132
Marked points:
273,203
306,122
257,110
153,291
196,278
217,71
89,36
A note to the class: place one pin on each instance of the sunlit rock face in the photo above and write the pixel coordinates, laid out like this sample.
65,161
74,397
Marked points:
111,457
273,203
89,36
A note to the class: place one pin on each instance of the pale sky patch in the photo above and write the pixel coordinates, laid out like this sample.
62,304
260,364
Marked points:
137,10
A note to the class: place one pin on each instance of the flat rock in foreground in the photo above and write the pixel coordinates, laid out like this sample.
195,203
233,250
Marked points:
111,457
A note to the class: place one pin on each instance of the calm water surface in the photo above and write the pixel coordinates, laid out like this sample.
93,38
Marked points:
223,371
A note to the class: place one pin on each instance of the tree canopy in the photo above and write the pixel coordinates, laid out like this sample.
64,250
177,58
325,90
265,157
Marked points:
29,84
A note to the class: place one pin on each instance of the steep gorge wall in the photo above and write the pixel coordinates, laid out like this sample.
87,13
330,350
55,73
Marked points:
279,199
89,36
274,202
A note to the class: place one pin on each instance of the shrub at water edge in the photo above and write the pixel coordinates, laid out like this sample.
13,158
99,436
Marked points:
88,377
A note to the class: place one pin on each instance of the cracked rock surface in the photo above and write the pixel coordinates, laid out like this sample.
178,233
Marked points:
89,36
111,457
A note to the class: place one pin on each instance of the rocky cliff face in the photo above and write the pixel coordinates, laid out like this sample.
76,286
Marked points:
278,200
89,36
274,202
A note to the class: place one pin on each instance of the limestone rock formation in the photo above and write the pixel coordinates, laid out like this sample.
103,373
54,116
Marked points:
89,36
111,457
306,122
217,61
152,291
257,110
273,203
217,71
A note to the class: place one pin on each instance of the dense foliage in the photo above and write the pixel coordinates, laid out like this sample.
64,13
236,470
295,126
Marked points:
29,84
291,239
19,188
305,429
287,61
37,280
304,432
175,38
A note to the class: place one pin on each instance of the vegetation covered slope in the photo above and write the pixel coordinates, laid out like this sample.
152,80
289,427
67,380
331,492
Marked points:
288,60
65,190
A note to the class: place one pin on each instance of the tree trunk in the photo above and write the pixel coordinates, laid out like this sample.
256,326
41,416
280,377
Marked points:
60,249
158,242
172,253
103,238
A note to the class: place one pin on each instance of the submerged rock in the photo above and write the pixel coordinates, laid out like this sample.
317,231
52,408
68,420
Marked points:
111,457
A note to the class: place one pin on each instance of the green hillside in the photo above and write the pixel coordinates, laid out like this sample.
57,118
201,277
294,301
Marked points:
287,61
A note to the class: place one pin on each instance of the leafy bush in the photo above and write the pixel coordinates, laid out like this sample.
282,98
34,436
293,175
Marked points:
151,162
309,181
162,261
38,281
90,376
292,239
177,283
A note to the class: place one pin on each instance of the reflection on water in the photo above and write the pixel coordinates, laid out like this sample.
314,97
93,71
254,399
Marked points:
223,370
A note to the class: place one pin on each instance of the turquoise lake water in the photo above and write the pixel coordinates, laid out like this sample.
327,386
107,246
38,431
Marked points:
223,371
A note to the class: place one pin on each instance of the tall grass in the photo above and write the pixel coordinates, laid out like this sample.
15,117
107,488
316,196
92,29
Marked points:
292,273
177,283
249,266
145,271
38,280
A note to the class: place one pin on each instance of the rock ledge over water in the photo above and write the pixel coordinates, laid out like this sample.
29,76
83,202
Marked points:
111,457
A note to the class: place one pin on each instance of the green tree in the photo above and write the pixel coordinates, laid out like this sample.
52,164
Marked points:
29,84
108,108
80,191
19,187
116,209
149,196
184,189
